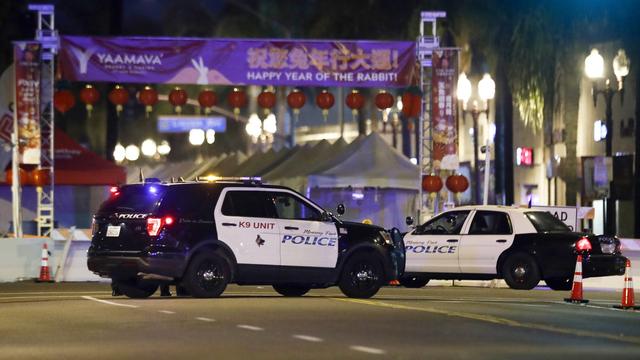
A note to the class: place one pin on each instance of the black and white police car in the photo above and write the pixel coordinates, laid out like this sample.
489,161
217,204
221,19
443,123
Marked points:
203,235
520,245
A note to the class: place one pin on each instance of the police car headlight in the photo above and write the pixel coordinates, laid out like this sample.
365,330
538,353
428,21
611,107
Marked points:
386,237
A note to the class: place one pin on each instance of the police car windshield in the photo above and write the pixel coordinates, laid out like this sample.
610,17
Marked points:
134,198
545,222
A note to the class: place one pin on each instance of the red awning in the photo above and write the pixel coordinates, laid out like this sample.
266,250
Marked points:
75,165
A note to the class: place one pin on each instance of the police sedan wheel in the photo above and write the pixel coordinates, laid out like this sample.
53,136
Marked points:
207,276
362,276
521,272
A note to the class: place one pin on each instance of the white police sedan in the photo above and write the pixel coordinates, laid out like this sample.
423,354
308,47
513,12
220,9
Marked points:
520,245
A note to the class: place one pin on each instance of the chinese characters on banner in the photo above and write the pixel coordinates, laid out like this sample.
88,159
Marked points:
27,107
444,110
238,61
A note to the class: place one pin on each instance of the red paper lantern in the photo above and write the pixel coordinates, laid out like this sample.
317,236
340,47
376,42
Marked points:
89,96
119,96
457,183
325,101
148,97
40,177
355,102
431,183
207,99
178,97
237,99
267,100
23,176
384,100
63,100
296,100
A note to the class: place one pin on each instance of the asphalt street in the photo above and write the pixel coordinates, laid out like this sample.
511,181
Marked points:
82,320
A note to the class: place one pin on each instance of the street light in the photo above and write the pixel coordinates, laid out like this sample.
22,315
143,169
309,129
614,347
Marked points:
119,153
132,152
196,137
164,148
486,91
148,148
594,69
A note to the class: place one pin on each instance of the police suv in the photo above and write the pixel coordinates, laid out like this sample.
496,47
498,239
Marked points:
520,245
203,235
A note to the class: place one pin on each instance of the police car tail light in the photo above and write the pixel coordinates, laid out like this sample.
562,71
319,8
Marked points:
114,191
154,224
583,244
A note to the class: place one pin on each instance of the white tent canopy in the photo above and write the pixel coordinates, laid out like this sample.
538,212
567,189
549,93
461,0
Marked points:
372,163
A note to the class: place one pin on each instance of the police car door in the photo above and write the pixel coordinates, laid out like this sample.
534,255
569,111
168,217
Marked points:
489,235
305,240
245,221
433,246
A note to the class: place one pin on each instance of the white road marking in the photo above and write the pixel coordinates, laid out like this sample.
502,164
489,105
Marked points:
108,302
308,338
368,350
167,311
250,327
205,319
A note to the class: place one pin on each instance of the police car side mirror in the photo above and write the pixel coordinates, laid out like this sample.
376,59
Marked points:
409,221
340,209
326,217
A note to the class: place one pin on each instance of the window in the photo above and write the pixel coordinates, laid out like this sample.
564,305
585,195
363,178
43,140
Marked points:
248,204
543,221
449,223
189,201
134,198
490,222
291,207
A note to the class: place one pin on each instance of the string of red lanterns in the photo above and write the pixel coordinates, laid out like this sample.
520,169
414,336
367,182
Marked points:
64,100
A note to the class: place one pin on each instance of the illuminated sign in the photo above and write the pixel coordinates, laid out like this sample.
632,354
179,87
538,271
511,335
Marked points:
176,123
524,156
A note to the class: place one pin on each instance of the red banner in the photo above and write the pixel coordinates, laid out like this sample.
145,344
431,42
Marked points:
444,109
26,57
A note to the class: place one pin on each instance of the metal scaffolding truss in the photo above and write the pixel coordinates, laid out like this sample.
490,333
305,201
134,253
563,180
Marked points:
427,42
47,35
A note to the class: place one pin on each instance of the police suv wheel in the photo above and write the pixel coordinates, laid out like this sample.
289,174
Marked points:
413,282
136,289
521,272
559,283
291,290
362,276
207,275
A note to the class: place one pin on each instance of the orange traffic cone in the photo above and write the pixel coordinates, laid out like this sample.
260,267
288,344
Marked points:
628,301
44,266
576,289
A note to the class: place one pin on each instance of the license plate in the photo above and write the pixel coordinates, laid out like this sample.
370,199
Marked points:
113,231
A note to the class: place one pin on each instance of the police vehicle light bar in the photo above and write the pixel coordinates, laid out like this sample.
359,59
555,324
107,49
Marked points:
212,178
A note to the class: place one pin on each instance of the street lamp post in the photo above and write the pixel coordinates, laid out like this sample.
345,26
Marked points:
486,91
594,69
